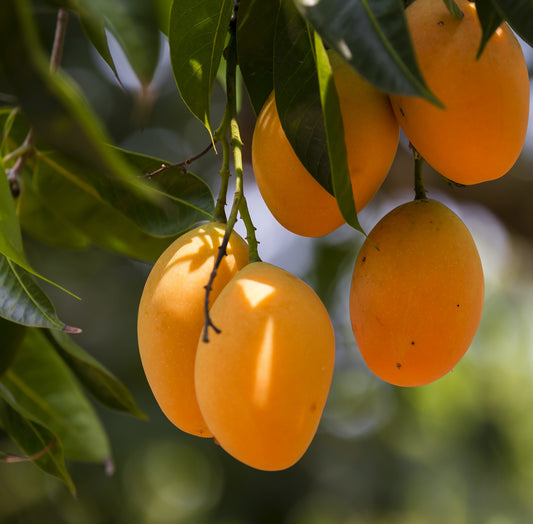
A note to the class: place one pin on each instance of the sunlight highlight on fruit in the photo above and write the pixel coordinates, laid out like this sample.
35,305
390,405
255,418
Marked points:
171,318
262,383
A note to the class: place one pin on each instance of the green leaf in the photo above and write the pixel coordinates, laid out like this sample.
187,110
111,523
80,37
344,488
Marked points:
40,387
93,25
46,224
11,336
185,198
454,9
23,301
135,26
88,218
8,115
519,15
197,35
10,236
490,19
102,384
163,14
94,28
178,200
256,23
374,38
297,94
338,157
33,439
53,104
133,23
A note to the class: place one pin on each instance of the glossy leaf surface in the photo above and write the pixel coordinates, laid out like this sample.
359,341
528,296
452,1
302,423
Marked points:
372,35
519,15
23,301
490,19
338,157
197,35
256,24
297,94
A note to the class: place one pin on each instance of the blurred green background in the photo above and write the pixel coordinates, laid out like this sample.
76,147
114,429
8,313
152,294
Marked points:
456,451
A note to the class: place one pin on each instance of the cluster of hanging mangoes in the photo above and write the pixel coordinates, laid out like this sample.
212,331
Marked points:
260,385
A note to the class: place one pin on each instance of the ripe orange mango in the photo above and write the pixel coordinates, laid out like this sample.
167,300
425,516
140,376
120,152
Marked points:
263,381
171,318
417,294
297,201
480,132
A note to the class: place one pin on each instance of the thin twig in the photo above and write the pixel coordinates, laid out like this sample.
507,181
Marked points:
181,165
59,40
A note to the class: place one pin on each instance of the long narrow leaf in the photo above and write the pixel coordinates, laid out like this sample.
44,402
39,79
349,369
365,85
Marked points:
519,15
102,384
56,198
134,24
24,302
197,34
297,94
256,25
10,235
94,28
490,19
178,200
372,35
338,157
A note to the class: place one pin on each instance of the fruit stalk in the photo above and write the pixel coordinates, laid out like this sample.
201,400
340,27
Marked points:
420,190
221,135
236,145
250,231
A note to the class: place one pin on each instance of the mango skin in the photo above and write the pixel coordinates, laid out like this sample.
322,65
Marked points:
295,199
417,294
480,133
262,383
171,318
